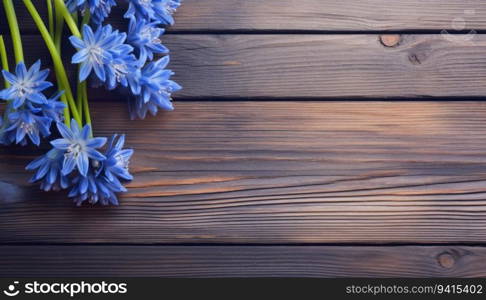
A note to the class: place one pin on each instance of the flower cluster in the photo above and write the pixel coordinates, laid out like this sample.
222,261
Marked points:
76,162
92,169
128,59
29,113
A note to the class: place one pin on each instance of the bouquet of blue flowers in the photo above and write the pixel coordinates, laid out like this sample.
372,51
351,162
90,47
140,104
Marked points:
92,168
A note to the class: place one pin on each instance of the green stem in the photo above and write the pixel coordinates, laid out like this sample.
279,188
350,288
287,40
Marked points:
86,17
4,58
50,17
75,16
59,27
14,30
87,115
79,96
71,23
75,31
67,113
56,59
83,106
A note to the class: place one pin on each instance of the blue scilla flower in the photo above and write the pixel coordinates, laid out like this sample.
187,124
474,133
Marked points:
119,69
95,188
118,45
145,36
165,9
23,123
117,159
98,51
102,11
153,10
53,108
26,85
153,89
78,147
48,171
141,9
103,179
99,9
93,52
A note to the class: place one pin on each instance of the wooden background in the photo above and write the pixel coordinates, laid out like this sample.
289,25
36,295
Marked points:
312,138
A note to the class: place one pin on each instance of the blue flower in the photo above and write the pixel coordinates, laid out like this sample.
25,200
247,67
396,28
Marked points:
48,171
145,36
103,179
26,85
98,50
78,148
102,11
165,9
153,88
118,70
99,9
153,10
117,159
95,189
25,123
53,108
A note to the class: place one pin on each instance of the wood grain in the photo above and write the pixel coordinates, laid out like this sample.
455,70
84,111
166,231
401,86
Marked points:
327,66
320,66
275,172
320,15
329,15
242,261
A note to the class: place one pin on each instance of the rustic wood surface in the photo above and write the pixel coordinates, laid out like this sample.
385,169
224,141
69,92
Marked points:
255,175
327,66
276,172
244,261
314,15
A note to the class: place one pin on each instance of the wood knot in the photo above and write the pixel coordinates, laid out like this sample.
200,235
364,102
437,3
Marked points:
446,260
390,40
415,59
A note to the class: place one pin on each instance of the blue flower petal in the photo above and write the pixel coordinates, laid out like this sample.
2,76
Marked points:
62,144
68,165
82,163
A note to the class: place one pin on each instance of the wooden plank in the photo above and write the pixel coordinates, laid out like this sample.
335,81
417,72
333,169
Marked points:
275,172
242,261
329,15
321,15
327,66
321,66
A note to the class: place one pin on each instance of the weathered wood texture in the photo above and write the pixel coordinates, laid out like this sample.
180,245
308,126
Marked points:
282,172
327,66
276,172
328,15
321,15
320,66
242,261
